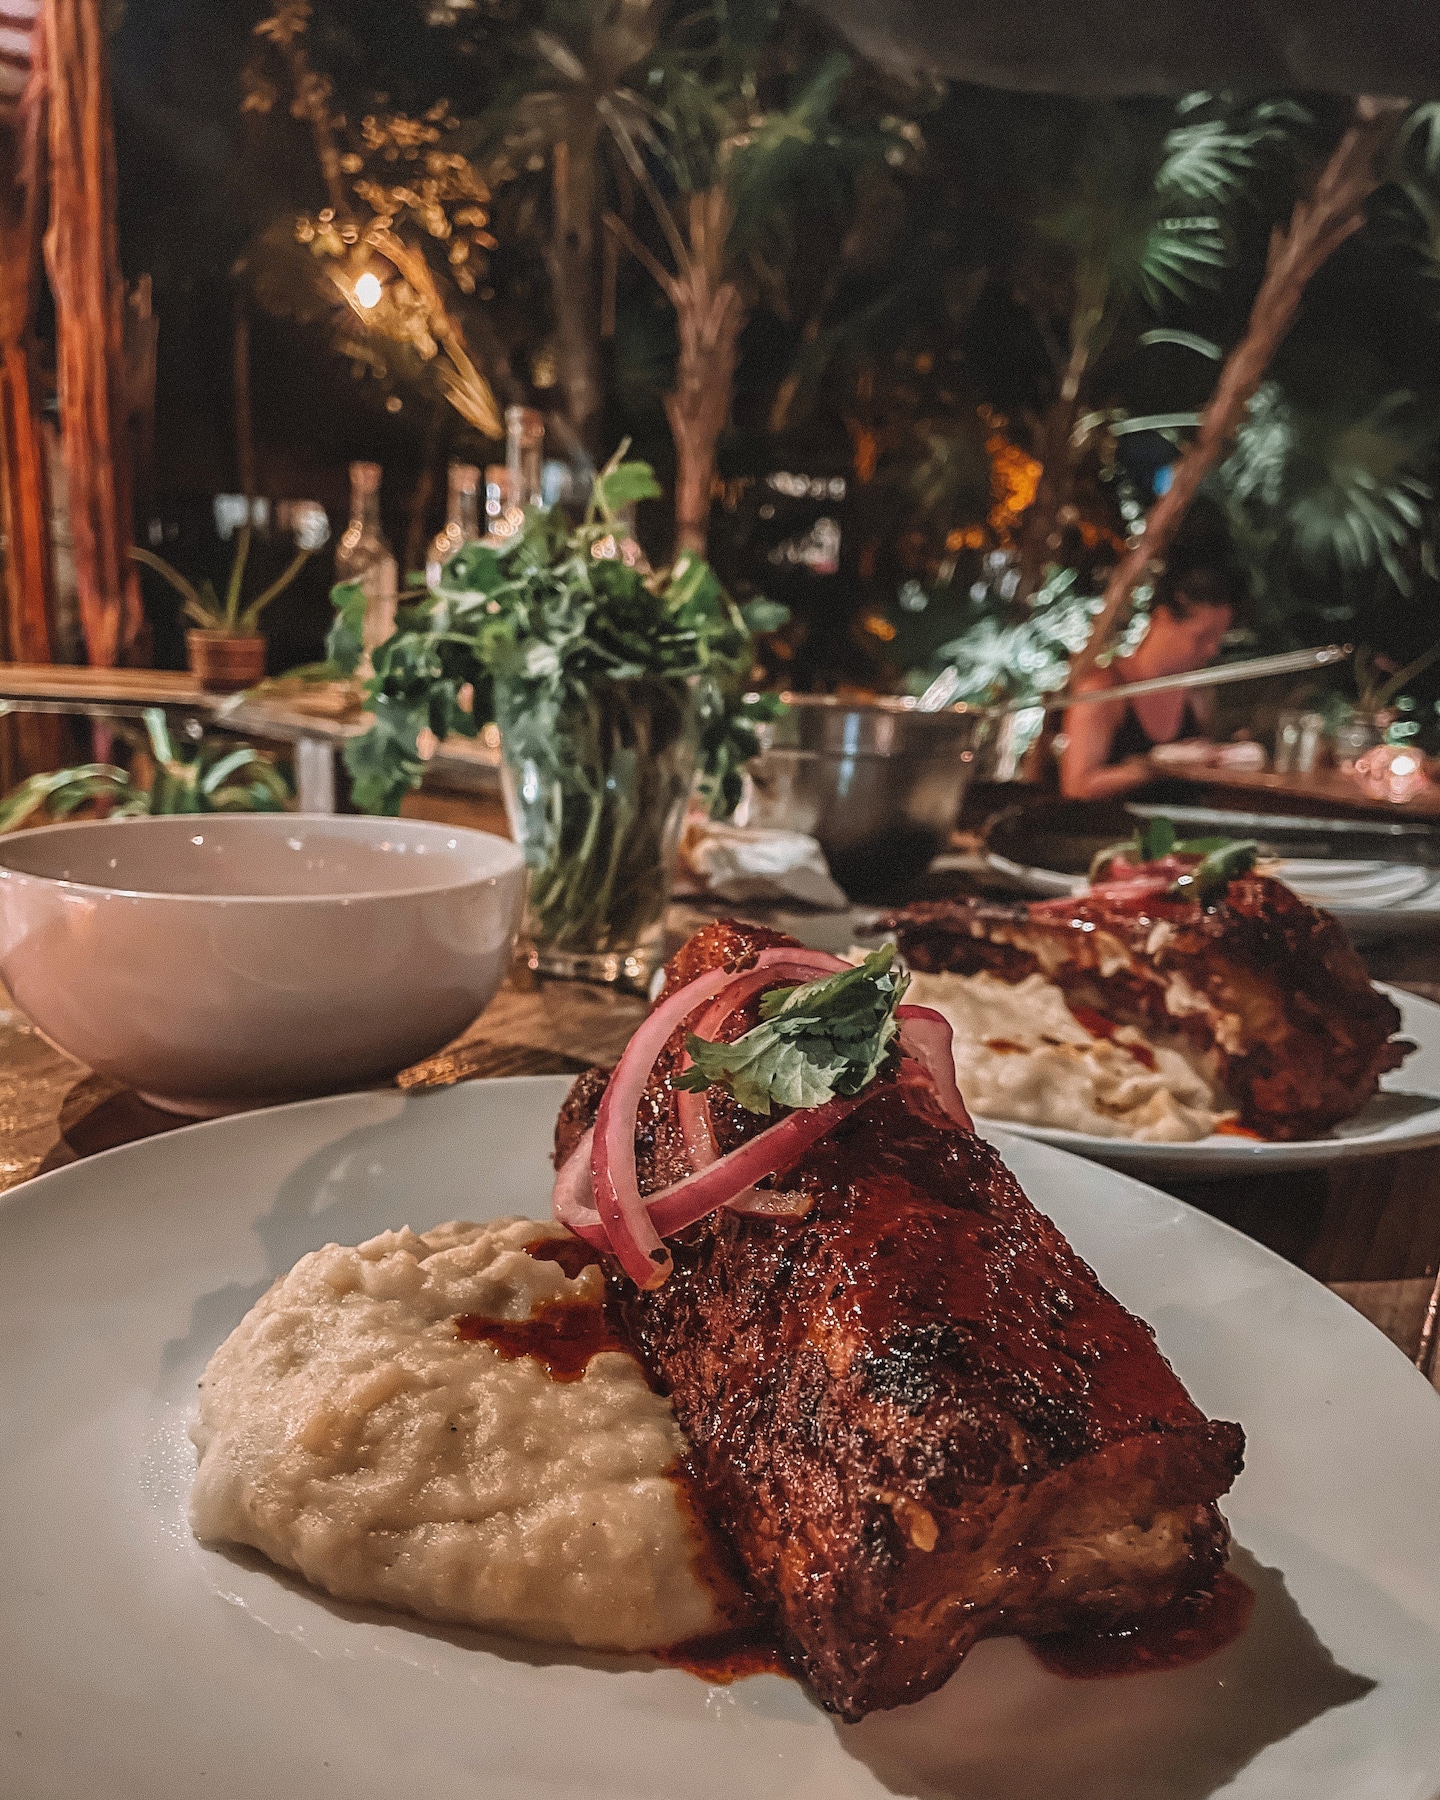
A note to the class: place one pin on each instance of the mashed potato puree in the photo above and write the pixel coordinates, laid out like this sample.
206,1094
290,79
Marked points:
1021,1054
347,1432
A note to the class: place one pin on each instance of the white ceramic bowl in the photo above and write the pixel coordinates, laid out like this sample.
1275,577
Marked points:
216,961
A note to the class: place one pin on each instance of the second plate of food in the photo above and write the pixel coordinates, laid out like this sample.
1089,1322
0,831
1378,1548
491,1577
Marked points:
1404,1115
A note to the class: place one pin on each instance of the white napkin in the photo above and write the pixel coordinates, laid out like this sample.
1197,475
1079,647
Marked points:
744,864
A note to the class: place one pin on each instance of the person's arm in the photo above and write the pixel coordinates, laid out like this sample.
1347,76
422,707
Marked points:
1089,732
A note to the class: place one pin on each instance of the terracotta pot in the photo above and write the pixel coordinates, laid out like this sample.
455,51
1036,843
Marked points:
224,665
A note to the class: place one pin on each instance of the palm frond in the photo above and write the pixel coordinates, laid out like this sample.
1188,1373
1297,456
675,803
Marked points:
1178,255
1357,520
1186,340
1208,163
1255,469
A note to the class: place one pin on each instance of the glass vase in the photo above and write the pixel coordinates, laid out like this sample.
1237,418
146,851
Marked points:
596,792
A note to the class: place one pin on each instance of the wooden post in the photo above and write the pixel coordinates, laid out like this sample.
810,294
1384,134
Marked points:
26,633
82,258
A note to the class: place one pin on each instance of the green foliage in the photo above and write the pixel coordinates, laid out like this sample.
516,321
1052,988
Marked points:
203,607
207,777
1008,653
554,614
1219,865
1138,208
1329,486
813,1043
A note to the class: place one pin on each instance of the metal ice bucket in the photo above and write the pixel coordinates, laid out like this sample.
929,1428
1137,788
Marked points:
877,782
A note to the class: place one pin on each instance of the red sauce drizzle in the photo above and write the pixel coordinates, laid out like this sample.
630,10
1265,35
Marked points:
1230,1128
1099,1026
562,1335
1004,1046
1173,1637
726,1656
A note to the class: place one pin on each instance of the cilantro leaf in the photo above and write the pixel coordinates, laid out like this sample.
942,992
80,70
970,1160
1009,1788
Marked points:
1157,839
813,1043
1220,859
1222,865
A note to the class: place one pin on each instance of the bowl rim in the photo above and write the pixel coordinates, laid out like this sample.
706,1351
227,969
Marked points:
246,821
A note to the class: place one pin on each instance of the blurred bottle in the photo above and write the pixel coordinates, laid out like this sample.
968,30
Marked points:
503,515
520,483
364,555
525,454
462,520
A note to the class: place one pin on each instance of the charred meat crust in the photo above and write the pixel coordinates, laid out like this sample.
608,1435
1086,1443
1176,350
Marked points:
915,1412
1266,991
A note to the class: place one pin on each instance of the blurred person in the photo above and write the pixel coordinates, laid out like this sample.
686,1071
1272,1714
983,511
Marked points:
1108,743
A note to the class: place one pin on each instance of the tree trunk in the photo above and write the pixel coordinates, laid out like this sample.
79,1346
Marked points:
1318,226
571,262
82,257
710,315
1040,535
1042,529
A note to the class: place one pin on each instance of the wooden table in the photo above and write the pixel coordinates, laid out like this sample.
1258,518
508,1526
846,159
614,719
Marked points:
316,736
1370,1231
1322,790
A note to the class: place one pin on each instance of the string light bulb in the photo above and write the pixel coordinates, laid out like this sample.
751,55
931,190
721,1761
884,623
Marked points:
368,290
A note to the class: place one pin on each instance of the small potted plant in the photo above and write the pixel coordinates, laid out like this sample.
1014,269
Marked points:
207,776
1371,720
226,650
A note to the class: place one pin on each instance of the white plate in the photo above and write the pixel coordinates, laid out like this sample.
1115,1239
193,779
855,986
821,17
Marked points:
1404,1115
141,1666
1371,899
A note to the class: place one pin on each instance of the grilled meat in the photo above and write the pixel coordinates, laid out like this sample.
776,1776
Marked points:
914,1411
1265,993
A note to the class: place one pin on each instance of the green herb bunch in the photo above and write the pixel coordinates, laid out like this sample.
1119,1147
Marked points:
554,612
611,686
813,1043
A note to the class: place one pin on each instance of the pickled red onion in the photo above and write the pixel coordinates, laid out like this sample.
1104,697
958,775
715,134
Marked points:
693,1110
633,1237
680,1204
926,1037
602,1165
572,1199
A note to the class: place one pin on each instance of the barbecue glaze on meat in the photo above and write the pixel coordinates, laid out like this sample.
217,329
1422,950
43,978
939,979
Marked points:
1266,993
914,1411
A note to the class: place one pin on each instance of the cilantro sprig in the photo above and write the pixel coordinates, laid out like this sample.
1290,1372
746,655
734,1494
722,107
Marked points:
813,1044
1221,859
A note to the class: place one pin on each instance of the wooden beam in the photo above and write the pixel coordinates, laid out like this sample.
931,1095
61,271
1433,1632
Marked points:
27,600
82,258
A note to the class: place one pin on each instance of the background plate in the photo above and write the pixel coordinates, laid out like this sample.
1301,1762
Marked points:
1404,1115
1380,878
141,1666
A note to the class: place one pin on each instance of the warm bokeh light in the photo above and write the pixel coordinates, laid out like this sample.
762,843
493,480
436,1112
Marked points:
1393,772
368,290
